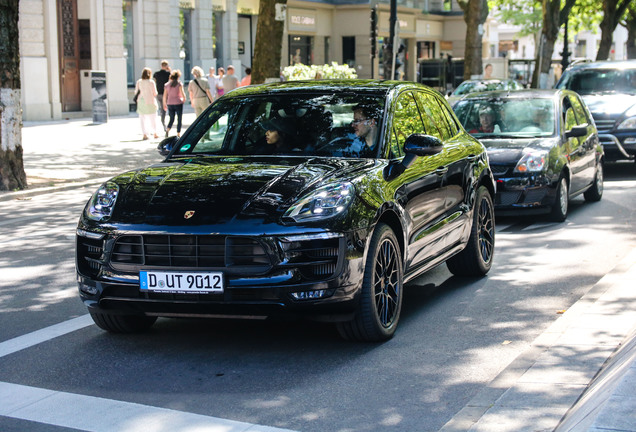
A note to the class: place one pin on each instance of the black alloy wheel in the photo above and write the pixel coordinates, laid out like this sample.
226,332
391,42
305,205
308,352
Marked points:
476,258
381,295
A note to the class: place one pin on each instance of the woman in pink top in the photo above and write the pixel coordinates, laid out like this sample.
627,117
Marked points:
173,99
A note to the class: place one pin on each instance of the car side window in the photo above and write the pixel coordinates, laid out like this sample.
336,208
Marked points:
569,118
450,119
433,119
579,111
406,121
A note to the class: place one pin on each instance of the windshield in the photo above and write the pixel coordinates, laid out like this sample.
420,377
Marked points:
339,125
513,117
483,86
589,81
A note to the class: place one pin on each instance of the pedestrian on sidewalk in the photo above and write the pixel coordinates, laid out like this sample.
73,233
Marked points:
213,80
199,90
147,104
219,83
173,99
230,81
161,77
247,79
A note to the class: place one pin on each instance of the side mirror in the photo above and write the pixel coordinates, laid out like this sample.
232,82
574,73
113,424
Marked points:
423,145
415,145
166,145
577,131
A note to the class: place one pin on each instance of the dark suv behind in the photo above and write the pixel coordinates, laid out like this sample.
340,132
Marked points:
609,90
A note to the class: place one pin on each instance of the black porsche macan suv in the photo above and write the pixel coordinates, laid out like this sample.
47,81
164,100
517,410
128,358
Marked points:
315,199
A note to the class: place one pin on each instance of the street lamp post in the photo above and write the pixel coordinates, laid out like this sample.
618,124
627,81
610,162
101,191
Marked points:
565,54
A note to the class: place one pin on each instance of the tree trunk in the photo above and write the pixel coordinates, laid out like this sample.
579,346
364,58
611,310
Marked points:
268,45
613,11
475,14
630,24
12,175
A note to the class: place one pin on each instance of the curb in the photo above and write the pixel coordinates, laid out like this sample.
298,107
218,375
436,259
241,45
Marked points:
543,384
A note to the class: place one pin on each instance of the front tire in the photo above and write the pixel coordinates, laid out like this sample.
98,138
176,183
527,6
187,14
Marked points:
561,202
476,258
122,323
595,192
378,312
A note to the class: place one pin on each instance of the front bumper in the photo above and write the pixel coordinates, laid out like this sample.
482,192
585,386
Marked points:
320,283
535,193
618,145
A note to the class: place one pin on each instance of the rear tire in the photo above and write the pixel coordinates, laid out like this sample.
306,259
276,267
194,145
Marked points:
380,305
476,258
561,202
595,192
122,323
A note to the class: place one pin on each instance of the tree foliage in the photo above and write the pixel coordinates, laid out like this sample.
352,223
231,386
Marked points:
267,48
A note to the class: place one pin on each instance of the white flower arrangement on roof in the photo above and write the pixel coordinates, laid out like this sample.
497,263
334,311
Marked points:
300,71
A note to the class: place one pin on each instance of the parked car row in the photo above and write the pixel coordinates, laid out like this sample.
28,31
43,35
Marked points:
320,199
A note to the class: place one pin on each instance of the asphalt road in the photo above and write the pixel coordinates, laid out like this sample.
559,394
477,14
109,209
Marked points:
455,335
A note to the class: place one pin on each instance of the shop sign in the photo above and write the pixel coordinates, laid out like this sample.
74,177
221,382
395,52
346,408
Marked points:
406,23
430,29
302,20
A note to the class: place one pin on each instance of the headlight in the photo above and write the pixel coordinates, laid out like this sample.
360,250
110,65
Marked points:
103,201
628,123
532,161
322,203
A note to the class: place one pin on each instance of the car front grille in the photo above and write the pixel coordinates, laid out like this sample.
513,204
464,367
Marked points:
604,125
191,251
507,198
90,255
315,258
499,170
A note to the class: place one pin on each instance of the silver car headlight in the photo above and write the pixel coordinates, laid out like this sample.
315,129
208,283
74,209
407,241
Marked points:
532,161
323,203
628,123
101,205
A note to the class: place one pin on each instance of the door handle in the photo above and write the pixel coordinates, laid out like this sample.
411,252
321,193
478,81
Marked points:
441,171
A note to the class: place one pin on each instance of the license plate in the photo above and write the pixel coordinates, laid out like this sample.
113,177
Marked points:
181,282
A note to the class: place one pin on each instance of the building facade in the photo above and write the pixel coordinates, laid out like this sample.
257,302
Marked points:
63,41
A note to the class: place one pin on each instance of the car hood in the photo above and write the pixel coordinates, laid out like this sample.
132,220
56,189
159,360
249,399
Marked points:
509,151
610,105
216,190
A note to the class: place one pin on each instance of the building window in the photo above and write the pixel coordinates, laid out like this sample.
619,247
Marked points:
301,50
327,49
349,50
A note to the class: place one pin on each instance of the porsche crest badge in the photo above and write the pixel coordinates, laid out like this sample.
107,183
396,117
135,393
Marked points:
188,214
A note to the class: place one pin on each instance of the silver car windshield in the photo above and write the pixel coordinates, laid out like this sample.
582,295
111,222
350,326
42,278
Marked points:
507,117
325,125
589,81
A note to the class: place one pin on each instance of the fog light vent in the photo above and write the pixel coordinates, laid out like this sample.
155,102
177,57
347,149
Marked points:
309,295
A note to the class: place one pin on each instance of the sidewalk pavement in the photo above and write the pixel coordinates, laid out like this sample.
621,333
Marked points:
579,375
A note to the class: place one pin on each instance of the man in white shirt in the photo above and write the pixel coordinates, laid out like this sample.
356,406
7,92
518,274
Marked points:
230,81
